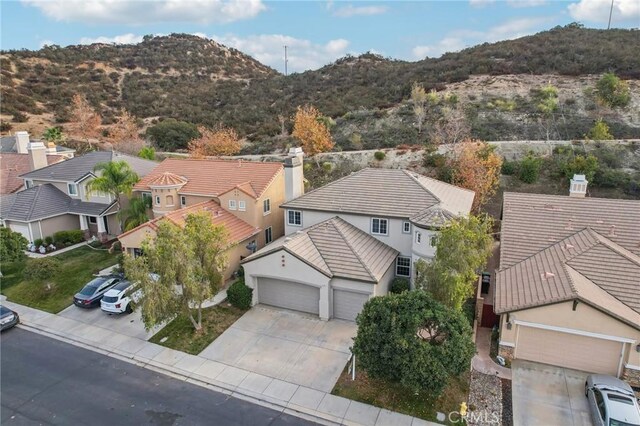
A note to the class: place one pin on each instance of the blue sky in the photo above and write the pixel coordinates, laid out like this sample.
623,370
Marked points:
316,32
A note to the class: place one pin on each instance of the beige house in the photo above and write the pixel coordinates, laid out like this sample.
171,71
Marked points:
568,288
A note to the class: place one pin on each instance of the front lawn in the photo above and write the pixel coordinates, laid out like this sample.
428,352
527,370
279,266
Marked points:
55,293
182,336
395,397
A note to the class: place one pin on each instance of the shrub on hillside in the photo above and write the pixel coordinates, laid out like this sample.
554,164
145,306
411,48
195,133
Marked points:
379,155
240,295
41,269
529,169
509,168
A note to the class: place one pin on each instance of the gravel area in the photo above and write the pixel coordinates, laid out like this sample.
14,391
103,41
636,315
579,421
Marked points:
507,408
485,400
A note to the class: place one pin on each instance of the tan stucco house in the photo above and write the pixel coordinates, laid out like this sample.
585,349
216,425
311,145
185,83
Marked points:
568,287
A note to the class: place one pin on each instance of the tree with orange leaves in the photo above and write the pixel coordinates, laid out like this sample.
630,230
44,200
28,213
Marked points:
476,166
219,141
310,129
124,134
85,121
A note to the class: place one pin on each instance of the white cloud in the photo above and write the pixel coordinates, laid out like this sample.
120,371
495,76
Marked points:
598,10
526,3
447,44
138,12
480,3
44,43
302,54
349,11
119,39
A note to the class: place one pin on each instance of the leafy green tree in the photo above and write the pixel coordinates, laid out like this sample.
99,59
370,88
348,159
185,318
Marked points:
462,251
419,101
136,212
148,153
411,339
114,178
171,134
529,169
581,165
53,134
189,263
12,245
612,91
600,131
547,98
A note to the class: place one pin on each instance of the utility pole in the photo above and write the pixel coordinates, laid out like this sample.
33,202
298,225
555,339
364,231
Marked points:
285,61
610,13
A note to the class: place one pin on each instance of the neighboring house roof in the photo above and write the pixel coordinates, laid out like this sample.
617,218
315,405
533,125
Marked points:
215,177
42,201
8,145
77,168
337,249
238,230
12,165
533,222
389,193
167,179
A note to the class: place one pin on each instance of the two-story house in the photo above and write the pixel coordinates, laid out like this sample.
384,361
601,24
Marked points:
346,241
56,196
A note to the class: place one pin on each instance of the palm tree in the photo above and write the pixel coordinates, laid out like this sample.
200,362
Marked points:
114,178
136,214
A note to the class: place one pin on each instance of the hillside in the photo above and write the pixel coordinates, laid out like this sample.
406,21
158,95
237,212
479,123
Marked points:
198,80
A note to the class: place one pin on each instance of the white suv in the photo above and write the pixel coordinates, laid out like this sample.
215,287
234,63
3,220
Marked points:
120,298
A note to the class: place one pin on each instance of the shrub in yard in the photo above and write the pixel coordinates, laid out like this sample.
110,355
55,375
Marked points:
37,242
509,168
379,155
399,285
12,245
240,295
48,240
41,269
529,170
72,236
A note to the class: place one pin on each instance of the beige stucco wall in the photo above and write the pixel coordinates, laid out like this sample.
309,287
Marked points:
169,200
135,239
59,223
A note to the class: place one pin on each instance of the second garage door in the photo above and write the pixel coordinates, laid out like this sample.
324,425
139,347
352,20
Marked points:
568,350
347,304
289,295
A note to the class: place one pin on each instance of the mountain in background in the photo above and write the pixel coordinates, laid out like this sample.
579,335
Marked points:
198,80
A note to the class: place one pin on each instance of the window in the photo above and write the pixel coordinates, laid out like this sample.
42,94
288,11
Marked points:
242,205
418,237
403,266
93,220
232,204
379,226
183,200
433,241
169,200
72,188
294,217
137,252
268,235
600,403
406,227
266,206
157,200
28,184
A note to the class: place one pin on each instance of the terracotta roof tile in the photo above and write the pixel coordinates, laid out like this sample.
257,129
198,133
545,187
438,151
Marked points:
167,179
12,165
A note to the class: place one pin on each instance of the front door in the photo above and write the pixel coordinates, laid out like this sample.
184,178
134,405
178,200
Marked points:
106,224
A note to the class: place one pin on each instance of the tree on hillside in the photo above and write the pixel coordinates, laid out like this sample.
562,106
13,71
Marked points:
419,101
219,141
475,166
135,214
191,259
12,245
85,121
582,165
171,134
600,131
310,130
411,339
124,134
148,153
452,127
462,251
612,91
547,105
115,178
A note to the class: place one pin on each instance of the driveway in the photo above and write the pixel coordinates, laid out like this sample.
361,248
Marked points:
127,324
286,345
546,395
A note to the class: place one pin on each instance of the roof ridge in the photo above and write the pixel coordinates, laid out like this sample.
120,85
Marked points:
364,265
628,254
415,179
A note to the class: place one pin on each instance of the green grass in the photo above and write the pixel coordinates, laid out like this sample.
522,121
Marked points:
395,397
56,293
182,336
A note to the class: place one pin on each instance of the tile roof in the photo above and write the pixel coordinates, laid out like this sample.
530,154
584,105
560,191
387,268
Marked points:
388,193
167,179
215,177
532,222
76,168
8,145
337,249
12,165
238,230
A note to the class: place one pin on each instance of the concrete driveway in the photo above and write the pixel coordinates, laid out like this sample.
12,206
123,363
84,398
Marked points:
127,324
546,395
286,345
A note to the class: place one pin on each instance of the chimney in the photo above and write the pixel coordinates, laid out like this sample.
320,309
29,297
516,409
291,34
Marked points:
22,142
294,174
37,155
578,186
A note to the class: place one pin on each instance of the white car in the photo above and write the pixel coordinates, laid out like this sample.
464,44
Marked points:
120,298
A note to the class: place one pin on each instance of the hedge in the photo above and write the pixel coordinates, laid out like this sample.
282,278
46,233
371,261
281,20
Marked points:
240,295
72,236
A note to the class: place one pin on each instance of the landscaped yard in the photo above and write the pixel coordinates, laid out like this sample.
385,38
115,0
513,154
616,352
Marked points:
182,336
55,293
394,397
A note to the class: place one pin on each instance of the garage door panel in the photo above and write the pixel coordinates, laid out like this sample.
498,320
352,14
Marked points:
22,229
568,350
348,304
289,295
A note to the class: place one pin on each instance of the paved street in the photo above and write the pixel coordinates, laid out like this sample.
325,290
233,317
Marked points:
45,381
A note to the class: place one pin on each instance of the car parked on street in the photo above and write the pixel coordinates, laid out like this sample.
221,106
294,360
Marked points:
8,318
612,402
120,298
92,292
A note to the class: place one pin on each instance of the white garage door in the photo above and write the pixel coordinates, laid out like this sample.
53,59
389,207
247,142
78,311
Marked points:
347,304
289,295
568,350
23,229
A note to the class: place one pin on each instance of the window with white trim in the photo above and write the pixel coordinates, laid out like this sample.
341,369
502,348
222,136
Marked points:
403,266
93,220
418,237
242,205
406,227
72,188
379,226
266,206
183,200
28,183
232,204
268,235
294,217
433,241
157,200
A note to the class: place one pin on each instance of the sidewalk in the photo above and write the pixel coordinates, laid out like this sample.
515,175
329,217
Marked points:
276,394
482,361
37,255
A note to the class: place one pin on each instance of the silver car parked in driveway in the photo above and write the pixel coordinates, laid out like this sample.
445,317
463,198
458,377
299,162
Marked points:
611,401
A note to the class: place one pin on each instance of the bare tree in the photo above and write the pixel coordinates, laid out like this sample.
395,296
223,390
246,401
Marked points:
419,101
451,128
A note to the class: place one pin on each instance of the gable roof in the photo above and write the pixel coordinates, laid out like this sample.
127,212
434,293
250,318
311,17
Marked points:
12,165
238,230
337,249
215,177
389,193
76,168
